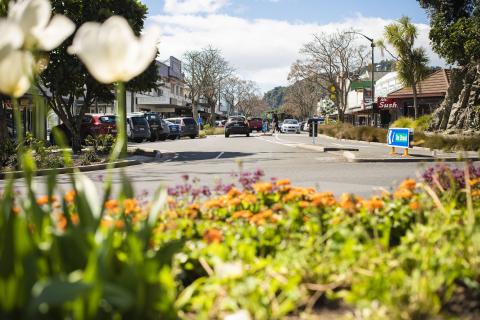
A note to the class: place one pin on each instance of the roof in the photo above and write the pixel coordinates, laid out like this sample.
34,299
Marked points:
435,85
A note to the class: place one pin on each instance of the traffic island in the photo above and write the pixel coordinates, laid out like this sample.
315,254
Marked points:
414,156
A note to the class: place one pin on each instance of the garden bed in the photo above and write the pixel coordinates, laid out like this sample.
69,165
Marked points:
421,139
248,248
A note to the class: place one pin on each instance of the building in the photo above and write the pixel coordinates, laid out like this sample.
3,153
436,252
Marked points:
169,98
399,103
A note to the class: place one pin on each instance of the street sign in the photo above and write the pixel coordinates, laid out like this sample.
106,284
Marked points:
399,137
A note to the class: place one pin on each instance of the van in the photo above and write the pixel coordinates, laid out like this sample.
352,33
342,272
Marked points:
188,126
138,129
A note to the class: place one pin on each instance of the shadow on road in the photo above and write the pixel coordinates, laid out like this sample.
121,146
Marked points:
207,155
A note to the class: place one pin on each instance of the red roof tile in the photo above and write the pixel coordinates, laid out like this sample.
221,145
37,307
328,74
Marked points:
435,85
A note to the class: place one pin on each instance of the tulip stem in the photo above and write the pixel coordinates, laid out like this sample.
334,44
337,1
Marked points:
17,114
122,118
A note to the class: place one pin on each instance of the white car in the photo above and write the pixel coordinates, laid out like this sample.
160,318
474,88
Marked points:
290,126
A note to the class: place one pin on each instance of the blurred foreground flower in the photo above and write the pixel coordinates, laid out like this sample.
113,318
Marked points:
40,30
111,51
16,72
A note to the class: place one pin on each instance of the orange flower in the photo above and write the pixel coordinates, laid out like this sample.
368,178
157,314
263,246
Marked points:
408,184
263,187
62,222
323,199
232,193
261,217
476,193
16,211
414,205
213,204
45,200
234,202
277,207
248,198
374,204
70,196
119,224
213,236
283,182
242,214
403,193
111,205
75,219
193,210
304,204
474,182
349,202
336,220
131,206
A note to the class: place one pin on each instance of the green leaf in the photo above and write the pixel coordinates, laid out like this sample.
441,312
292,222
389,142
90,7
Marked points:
118,296
57,293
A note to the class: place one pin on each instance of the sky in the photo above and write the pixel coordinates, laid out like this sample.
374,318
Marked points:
262,38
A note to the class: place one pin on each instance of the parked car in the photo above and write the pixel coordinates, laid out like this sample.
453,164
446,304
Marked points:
157,130
255,124
93,125
188,126
220,123
138,129
290,126
237,125
173,129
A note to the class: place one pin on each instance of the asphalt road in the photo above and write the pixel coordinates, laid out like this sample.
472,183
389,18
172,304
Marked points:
217,157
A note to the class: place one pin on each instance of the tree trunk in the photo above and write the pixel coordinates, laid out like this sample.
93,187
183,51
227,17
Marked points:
3,122
415,100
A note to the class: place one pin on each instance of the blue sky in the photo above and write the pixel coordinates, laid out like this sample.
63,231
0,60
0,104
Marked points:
322,11
262,38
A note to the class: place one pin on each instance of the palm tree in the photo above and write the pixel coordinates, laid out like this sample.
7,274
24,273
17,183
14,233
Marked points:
411,62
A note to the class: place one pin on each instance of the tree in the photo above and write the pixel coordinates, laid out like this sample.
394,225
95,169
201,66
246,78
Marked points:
412,62
301,99
331,60
206,70
274,97
253,106
455,26
237,93
66,84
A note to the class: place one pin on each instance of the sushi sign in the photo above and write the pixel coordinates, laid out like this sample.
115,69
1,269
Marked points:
386,103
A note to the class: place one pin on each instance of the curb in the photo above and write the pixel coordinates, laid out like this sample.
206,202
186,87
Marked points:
352,158
325,149
155,154
93,167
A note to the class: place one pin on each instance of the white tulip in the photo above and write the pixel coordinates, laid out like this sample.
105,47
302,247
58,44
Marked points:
239,315
112,52
40,31
11,39
16,70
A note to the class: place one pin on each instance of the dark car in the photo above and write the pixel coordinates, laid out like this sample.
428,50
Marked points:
93,125
255,124
137,127
157,130
237,125
188,126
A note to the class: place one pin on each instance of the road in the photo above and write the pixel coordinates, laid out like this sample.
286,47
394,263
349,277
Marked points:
216,157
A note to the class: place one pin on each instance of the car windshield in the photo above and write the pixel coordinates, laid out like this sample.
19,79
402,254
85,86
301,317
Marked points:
232,119
152,117
189,121
290,121
108,119
139,121
174,121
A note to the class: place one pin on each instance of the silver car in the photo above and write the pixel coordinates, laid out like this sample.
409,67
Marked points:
188,126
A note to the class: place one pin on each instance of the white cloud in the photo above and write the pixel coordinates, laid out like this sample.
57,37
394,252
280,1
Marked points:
193,6
261,50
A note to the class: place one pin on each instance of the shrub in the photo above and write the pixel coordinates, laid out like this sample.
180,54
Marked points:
102,144
88,157
403,123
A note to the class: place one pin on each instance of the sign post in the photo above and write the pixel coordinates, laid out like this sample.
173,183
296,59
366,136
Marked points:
400,138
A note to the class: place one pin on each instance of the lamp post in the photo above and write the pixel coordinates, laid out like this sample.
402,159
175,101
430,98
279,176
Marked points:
372,44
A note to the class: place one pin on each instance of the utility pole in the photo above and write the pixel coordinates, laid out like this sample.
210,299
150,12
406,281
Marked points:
372,44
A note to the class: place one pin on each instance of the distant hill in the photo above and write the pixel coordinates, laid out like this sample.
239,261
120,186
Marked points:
275,97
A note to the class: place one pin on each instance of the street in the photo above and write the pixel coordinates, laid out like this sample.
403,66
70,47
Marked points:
280,156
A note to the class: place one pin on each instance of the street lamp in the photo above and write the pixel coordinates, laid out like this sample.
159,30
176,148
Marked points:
372,44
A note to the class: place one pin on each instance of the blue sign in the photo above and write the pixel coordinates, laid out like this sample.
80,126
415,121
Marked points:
399,137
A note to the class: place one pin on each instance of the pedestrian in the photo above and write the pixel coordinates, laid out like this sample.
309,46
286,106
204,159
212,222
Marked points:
264,125
275,123
200,121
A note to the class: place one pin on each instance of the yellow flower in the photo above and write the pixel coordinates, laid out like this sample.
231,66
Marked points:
474,182
131,206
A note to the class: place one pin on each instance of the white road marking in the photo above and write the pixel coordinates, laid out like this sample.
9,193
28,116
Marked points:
218,157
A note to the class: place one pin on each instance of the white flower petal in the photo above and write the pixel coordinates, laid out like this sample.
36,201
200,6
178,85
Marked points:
16,73
59,29
111,52
12,37
239,315
32,16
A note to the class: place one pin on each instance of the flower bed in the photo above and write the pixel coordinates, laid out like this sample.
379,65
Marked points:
253,249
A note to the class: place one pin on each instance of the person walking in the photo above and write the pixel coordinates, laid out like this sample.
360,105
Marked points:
200,122
275,123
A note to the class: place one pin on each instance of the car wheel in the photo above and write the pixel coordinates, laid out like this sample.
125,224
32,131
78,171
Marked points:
248,134
138,140
193,137
162,138
227,134
153,137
